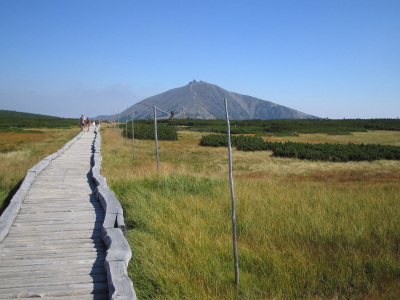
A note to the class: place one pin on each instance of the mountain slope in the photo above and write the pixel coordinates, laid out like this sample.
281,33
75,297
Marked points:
201,100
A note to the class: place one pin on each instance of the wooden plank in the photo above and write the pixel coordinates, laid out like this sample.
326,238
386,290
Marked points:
50,231
14,253
62,214
76,236
92,260
61,254
45,209
71,290
118,247
34,223
102,296
120,280
43,273
52,268
57,230
57,207
52,280
51,244
92,222
73,199
73,216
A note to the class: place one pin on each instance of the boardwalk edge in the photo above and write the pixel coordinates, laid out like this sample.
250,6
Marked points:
113,232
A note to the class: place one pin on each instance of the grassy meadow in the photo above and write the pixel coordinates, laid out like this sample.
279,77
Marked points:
306,229
20,151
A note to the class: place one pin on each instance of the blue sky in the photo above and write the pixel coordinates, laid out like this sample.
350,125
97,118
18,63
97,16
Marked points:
336,59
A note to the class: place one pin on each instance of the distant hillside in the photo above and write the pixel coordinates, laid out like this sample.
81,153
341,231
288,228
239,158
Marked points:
10,118
23,115
201,100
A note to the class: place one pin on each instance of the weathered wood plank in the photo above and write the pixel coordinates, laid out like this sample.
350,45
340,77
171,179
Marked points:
57,231
71,290
53,280
96,260
35,222
29,210
76,236
118,247
102,296
84,242
43,273
51,268
121,282
45,232
13,253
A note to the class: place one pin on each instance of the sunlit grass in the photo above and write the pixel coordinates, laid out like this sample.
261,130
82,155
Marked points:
311,230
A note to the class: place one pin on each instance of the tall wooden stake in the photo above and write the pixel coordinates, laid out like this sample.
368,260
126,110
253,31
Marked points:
126,126
155,137
232,196
133,139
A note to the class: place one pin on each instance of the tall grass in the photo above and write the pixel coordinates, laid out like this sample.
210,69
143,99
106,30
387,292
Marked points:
306,230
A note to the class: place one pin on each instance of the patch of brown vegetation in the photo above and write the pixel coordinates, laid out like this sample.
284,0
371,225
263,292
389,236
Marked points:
11,140
255,176
350,177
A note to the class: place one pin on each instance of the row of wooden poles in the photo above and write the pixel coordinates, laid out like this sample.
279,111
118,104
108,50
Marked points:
235,255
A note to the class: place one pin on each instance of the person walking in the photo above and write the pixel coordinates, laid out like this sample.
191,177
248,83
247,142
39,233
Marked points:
88,123
82,122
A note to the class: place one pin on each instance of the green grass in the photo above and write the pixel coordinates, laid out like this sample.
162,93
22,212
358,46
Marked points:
306,230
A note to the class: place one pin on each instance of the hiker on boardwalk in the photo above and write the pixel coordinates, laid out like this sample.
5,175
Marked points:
82,122
88,123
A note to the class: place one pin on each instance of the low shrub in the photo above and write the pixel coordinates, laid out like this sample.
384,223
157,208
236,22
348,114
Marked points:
146,132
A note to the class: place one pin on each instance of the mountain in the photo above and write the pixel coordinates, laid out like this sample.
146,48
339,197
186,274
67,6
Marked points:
201,100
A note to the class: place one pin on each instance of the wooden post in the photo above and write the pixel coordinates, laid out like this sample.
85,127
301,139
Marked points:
236,264
118,121
155,137
133,139
114,120
126,126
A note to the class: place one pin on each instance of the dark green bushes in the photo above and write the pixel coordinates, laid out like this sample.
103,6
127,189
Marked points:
215,140
250,143
244,143
335,152
325,152
146,132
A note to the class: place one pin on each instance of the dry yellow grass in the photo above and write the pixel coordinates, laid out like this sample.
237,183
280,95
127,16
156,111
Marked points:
11,140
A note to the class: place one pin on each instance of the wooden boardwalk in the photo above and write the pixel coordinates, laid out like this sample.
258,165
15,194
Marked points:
54,249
